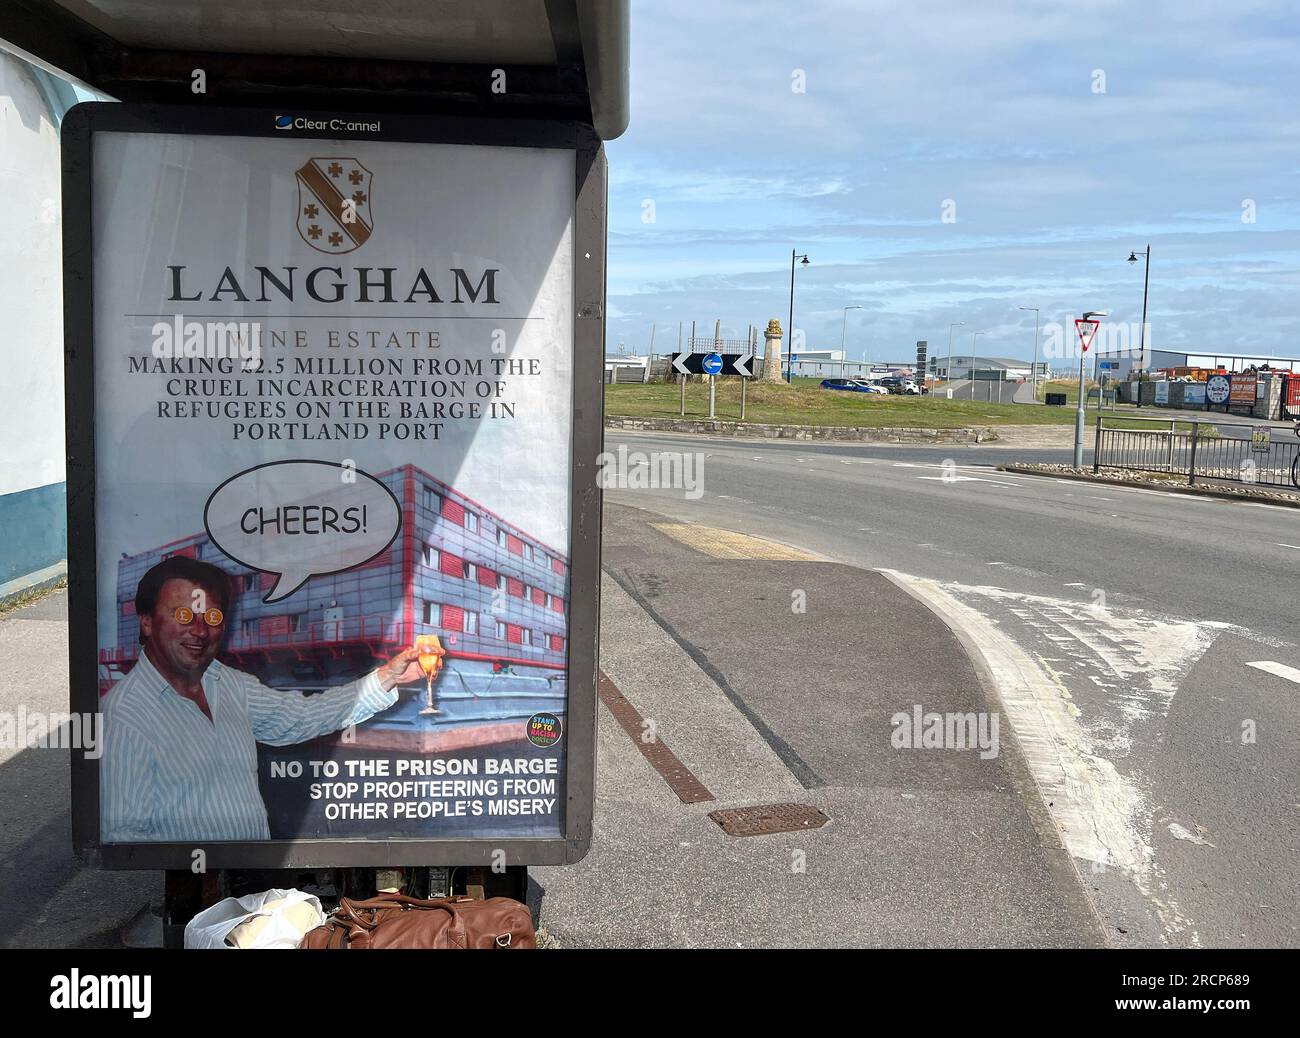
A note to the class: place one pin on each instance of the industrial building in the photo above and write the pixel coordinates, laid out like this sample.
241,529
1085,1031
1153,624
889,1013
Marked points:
983,368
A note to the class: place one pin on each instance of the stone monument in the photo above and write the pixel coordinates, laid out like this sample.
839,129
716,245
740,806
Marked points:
772,351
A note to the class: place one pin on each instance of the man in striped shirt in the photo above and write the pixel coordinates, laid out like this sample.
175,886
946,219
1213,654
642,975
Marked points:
180,731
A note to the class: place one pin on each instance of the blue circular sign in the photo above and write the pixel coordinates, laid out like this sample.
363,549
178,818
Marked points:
712,364
1217,388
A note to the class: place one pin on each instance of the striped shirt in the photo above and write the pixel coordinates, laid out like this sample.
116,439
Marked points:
169,774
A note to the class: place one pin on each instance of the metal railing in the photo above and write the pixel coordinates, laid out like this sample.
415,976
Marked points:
1212,452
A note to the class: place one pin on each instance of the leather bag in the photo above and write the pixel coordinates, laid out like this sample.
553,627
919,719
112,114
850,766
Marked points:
397,921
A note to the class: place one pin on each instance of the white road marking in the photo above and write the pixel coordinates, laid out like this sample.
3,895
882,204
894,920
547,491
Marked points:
953,467
1076,584
1281,670
995,563
1281,545
1133,660
969,479
1098,809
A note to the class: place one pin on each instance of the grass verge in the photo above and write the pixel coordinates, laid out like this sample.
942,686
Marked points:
805,403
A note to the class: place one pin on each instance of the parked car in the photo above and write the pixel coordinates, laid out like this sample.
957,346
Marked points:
869,386
900,386
850,385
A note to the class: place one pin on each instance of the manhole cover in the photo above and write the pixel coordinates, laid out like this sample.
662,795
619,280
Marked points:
768,819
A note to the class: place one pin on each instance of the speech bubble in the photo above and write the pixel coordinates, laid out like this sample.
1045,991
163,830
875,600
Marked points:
301,519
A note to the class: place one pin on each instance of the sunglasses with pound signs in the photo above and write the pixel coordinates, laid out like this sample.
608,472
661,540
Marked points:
185,616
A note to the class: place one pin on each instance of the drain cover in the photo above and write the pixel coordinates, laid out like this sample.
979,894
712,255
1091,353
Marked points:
768,819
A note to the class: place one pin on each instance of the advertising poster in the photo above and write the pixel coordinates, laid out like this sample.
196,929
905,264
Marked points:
1194,393
1244,388
333,402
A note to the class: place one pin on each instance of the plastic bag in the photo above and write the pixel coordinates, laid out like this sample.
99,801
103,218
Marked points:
270,919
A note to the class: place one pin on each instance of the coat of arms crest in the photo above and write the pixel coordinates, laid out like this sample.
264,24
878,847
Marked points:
334,204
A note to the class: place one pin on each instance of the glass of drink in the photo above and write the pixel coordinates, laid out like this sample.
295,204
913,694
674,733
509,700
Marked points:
431,653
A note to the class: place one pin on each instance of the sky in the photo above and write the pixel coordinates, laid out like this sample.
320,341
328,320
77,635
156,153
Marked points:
945,162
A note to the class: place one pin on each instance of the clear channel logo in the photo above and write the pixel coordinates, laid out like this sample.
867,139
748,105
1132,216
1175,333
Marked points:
299,122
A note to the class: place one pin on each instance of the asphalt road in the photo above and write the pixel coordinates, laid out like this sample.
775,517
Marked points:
1134,618
989,390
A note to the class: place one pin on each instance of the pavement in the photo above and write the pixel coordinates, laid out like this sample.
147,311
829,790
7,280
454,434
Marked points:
767,704
1145,643
1038,437
46,899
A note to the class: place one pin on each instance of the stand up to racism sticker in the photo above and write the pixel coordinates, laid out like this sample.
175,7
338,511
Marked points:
544,730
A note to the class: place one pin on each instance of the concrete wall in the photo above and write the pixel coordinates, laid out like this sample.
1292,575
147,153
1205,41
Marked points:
1267,406
33,526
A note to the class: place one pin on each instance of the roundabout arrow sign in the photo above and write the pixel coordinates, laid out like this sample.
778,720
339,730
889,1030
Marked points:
741,364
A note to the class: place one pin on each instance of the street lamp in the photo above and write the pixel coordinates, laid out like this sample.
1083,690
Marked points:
1146,281
1080,418
1033,371
843,327
789,374
948,373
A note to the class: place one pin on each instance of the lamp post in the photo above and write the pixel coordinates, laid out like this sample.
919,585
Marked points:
947,375
1142,335
789,347
1033,371
844,324
1080,417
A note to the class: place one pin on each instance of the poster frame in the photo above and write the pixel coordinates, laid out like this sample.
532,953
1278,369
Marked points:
79,128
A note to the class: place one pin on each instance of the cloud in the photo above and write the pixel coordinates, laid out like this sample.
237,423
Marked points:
991,106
